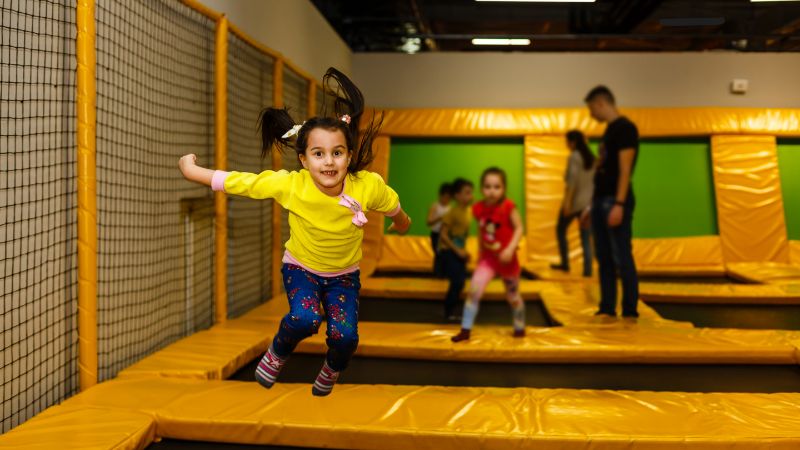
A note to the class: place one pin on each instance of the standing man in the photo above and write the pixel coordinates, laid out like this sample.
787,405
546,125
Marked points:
612,205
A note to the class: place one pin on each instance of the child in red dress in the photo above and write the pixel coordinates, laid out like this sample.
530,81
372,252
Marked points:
500,232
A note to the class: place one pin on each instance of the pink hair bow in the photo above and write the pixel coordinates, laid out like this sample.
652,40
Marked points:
359,218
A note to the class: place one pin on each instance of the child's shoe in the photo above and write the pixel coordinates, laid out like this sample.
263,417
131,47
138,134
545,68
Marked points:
463,335
323,385
268,368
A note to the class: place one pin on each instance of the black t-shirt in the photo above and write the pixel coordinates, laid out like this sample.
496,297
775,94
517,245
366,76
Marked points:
620,134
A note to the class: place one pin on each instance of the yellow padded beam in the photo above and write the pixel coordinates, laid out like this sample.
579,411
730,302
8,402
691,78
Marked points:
752,225
224,349
651,122
765,272
373,230
545,164
794,251
447,418
83,427
726,294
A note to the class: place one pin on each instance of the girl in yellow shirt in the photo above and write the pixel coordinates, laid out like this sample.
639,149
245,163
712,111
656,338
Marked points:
327,201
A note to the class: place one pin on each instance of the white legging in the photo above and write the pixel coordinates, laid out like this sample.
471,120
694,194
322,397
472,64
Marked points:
484,273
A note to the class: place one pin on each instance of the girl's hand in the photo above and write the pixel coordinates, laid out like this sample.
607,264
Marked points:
462,254
400,225
186,163
506,255
192,172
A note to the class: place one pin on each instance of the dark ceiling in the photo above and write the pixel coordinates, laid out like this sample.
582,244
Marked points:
606,25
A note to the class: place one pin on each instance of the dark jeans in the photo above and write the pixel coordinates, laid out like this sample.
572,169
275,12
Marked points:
563,248
437,263
615,257
455,269
308,294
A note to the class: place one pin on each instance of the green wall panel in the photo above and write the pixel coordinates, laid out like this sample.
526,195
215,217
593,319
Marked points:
673,180
789,166
418,166
674,187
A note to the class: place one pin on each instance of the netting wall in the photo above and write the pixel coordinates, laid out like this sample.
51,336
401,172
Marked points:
250,74
38,251
320,101
155,79
295,98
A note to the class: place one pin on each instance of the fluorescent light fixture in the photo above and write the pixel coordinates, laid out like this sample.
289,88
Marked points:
553,1
487,41
692,21
754,1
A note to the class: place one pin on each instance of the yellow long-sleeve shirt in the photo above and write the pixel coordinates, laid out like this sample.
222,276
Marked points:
323,235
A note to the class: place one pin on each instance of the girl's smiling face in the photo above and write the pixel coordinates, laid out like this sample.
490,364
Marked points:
326,158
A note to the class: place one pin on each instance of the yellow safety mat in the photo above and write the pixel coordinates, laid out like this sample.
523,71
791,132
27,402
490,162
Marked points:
403,417
202,355
764,272
703,294
574,305
83,427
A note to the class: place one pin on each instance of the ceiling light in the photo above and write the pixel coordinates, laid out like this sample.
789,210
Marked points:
493,41
692,21
410,45
762,1
552,1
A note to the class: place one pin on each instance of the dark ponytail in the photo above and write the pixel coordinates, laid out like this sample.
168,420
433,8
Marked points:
342,100
579,140
274,123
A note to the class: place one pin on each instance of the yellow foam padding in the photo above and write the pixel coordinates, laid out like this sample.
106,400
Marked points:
220,351
679,254
752,226
794,251
213,354
545,164
456,418
689,256
373,230
649,342
698,256
651,122
574,305
764,272
83,427
748,294
414,253
436,289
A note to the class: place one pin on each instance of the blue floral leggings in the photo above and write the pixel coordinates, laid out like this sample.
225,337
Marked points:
308,294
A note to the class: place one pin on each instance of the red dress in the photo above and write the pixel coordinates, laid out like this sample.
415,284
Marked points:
496,232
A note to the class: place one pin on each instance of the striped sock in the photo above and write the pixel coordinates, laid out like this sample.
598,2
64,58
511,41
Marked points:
323,385
268,368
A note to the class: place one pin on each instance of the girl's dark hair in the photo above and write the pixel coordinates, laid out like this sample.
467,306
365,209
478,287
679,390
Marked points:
343,98
445,188
494,171
577,138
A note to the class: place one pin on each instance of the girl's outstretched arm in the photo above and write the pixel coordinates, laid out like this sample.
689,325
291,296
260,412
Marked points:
192,172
